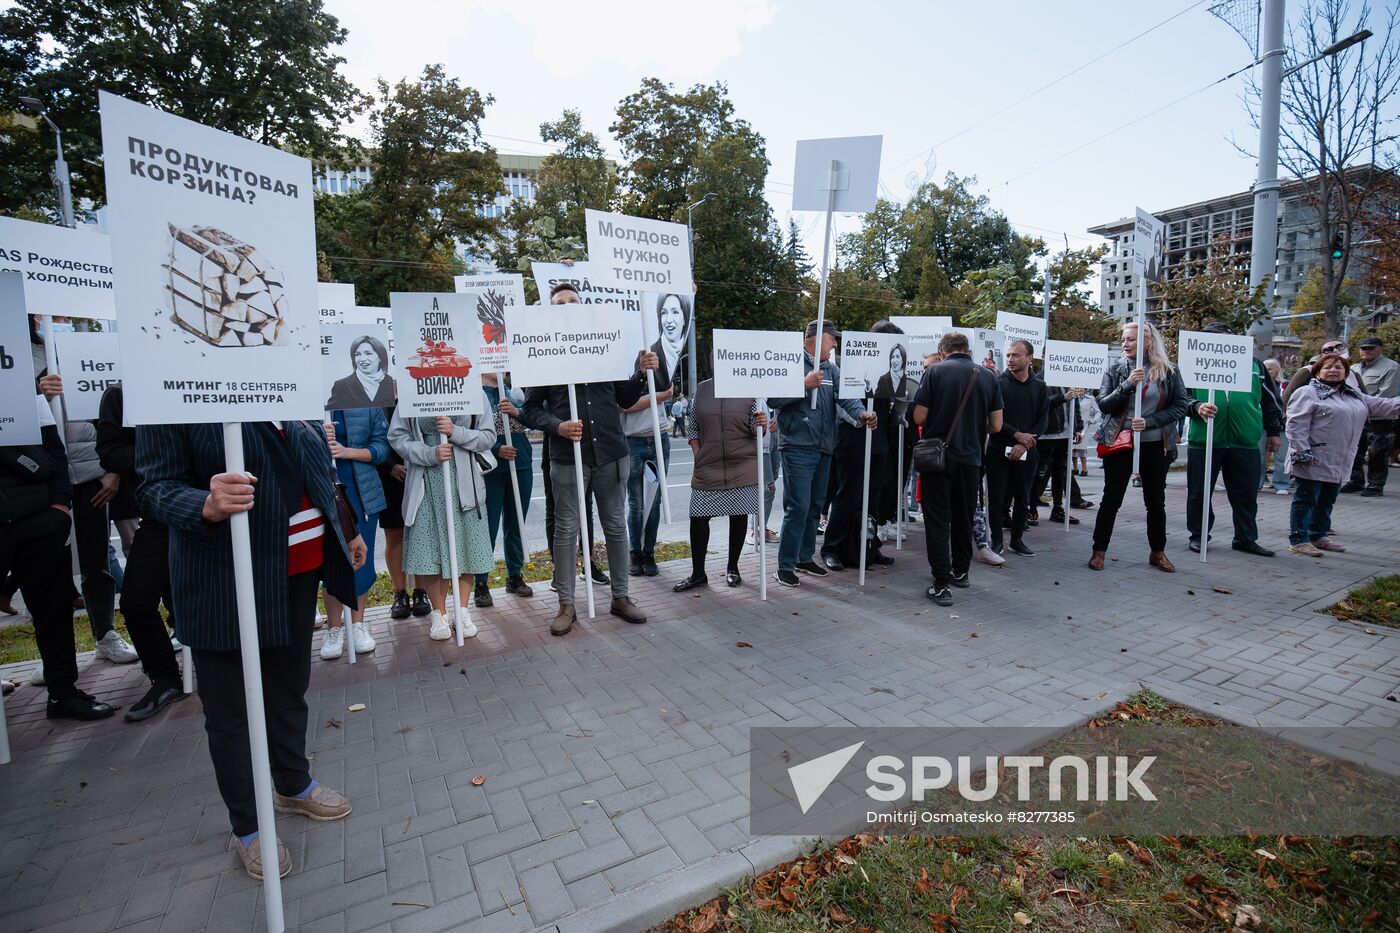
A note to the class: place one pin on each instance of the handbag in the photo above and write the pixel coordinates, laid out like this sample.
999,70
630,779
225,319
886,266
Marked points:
1122,441
931,453
349,522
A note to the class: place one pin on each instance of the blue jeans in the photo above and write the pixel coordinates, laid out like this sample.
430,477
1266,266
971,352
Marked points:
642,540
1279,478
806,473
500,503
1311,517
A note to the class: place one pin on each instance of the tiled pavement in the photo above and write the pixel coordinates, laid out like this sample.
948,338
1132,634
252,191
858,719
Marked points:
614,759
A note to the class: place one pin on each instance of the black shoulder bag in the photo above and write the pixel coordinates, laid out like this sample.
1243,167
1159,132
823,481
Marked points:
931,453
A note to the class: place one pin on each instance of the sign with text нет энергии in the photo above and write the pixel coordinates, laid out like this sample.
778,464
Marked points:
89,364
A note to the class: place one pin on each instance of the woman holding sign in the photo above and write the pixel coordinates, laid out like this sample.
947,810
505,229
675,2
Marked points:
359,442
1164,403
511,453
721,435
425,507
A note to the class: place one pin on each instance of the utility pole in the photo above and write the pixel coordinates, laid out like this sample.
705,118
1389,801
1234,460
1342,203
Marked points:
61,179
1264,238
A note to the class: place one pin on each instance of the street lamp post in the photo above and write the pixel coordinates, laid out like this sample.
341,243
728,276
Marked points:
694,304
61,178
1264,238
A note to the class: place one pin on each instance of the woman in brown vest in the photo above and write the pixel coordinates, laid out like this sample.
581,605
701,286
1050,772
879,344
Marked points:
725,478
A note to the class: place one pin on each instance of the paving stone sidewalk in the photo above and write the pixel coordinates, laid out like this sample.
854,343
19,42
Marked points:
615,759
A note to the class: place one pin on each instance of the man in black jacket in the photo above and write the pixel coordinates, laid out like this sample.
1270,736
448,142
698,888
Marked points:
36,501
1011,452
1054,449
147,579
605,455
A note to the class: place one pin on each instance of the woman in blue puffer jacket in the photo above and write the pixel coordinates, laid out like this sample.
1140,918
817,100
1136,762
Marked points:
359,441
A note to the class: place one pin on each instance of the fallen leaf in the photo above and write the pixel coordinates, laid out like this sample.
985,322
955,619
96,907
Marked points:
923,885
1221,589
1102,695
972,635
409,904
1267,854
1021,918
1190,592
1370,631
1247,918
333,723
742,644
478,780
357,707
1121,650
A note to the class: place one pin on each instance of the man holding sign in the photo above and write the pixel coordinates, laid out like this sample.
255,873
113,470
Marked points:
1241,419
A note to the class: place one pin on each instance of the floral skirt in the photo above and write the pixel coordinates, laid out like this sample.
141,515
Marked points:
425,551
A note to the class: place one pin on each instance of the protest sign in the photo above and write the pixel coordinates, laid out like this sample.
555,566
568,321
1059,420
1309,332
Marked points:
985,345
435,372
19,412
668,317
1071,365
872,364
568,344
491,295
580,276
922,325
1148,242
857,167
335,299
355,368
363,316
758,363
635,252
214,255
88,364
1024,327
66,272
1215,361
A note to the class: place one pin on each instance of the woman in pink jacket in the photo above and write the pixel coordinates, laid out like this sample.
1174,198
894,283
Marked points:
1325,420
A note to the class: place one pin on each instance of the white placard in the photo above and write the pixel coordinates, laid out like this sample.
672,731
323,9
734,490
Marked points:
758,363
434,369
1023,327
214,254
335,299
1072,365
1149,235
872,364
1215,361
920,346
363,316
580,276
19,414
491,296
985,344
67,272
568,344
355,366
668,319
922,325
637,252
88,364
857,175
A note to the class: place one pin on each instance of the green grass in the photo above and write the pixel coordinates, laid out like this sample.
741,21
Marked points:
1158,883
17,641
1377,602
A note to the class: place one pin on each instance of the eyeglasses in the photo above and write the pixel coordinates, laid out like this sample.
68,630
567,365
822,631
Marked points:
1332,348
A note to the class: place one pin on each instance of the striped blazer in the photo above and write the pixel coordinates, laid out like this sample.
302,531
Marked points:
175,462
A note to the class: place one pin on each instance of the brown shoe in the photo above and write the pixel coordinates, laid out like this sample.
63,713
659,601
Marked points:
1096,561
1159,560
252,858
564,620
625,609
321,804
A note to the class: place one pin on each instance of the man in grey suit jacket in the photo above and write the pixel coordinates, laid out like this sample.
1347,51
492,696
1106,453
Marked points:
297,544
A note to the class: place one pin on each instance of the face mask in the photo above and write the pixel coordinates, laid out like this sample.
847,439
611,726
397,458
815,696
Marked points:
62,326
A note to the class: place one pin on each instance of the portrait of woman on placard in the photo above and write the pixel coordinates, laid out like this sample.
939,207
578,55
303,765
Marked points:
673,325
892,382
368,385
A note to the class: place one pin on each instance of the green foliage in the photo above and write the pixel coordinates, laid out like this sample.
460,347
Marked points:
263,69
1213,289
1312,297
432,177
1377,602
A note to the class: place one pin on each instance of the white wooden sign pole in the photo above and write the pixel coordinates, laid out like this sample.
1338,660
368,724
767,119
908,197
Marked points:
347,617
1069,460
656,432
899,486
760,528
832,186
56,403
4,735
1207,481
253,688
1142,386
582,509
865,489
461,613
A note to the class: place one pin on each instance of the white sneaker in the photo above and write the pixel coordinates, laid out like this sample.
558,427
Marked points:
36,676
114,648
333,643
468,628
887,531
362,638
175,642
749,538
987,556
438,629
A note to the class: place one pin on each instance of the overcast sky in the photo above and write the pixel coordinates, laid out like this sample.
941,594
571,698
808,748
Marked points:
919,73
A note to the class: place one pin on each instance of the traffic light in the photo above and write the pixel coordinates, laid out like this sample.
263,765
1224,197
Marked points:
1337,245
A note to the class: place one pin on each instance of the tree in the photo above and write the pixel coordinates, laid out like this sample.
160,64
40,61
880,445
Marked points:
432,178
1074,314
262,69
1211,289
1309,307
1337,131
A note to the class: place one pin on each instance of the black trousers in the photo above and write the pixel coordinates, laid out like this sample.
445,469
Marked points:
1243,470
145,584
286,672
34,551
949,501
1053,464
1117,472
1008,481
1372,463
92,531
700,543
549,503
843,525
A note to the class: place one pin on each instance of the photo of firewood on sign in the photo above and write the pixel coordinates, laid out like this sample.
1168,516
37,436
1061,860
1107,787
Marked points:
222,291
